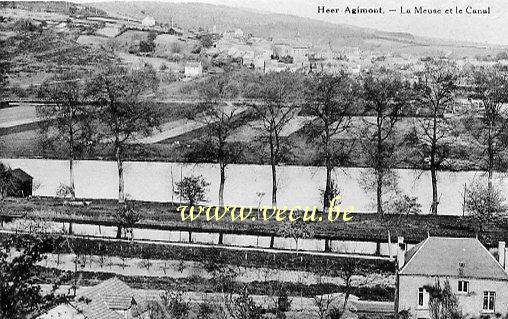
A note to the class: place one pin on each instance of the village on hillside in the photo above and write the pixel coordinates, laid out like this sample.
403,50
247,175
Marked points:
186,160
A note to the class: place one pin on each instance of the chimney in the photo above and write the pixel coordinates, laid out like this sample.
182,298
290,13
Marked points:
401,252
506,259
501,252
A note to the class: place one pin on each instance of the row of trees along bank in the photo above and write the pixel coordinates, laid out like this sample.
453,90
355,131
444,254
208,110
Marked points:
112,107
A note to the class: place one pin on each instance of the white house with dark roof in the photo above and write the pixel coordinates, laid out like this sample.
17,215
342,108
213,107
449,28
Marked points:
148,21
193,69
478,279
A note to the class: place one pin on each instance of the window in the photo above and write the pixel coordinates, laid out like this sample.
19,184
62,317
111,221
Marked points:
489,300
420,296
463,286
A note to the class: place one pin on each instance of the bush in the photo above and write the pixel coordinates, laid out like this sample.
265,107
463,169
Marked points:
405,205
175,305
206,310
64,191
283,301
192,189
243,307
482,206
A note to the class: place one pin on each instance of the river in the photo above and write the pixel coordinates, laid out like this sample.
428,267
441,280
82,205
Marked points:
248,185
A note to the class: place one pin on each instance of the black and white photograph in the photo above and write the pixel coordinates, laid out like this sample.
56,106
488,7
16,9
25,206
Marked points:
254,159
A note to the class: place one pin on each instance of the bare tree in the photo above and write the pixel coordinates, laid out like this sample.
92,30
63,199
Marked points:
124,112
385,97
324,305
297,229
489,128
331,98
435,93
219,116
350,268
70,114
277,93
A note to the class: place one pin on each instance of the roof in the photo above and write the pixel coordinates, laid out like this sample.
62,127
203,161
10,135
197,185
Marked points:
21,175
193,64
103,300
453,257
113,292
96,309
62,311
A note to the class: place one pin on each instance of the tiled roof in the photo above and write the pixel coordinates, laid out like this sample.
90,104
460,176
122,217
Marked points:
95,309
62,311
113,292
442,256
102,302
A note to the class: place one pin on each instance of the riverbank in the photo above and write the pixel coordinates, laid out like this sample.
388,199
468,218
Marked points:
245,185
163,216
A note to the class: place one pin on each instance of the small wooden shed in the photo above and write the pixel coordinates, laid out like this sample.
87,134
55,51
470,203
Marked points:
24,183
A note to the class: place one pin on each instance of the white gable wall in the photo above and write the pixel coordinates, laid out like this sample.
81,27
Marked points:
471,303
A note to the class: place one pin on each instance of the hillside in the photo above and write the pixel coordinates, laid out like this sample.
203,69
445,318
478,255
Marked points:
278,26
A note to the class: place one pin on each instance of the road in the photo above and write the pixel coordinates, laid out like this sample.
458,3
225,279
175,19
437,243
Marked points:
18,115
175,128
236,248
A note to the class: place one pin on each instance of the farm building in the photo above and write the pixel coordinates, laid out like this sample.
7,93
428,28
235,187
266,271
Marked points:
23,183
476,278
193,69
148,21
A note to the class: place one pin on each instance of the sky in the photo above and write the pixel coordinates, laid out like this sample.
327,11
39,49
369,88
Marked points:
492,28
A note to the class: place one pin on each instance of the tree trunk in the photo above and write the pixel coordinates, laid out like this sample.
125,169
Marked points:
71,178
490,166
119,232
379,165
328,188
274,185
222,182
435,200
274,171
433,173
346,295
379,193
328,163
121,191
71,164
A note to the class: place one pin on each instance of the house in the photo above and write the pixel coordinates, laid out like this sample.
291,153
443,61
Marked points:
111,299
233,34
148,21
193,69
23,182
301,51
479,281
